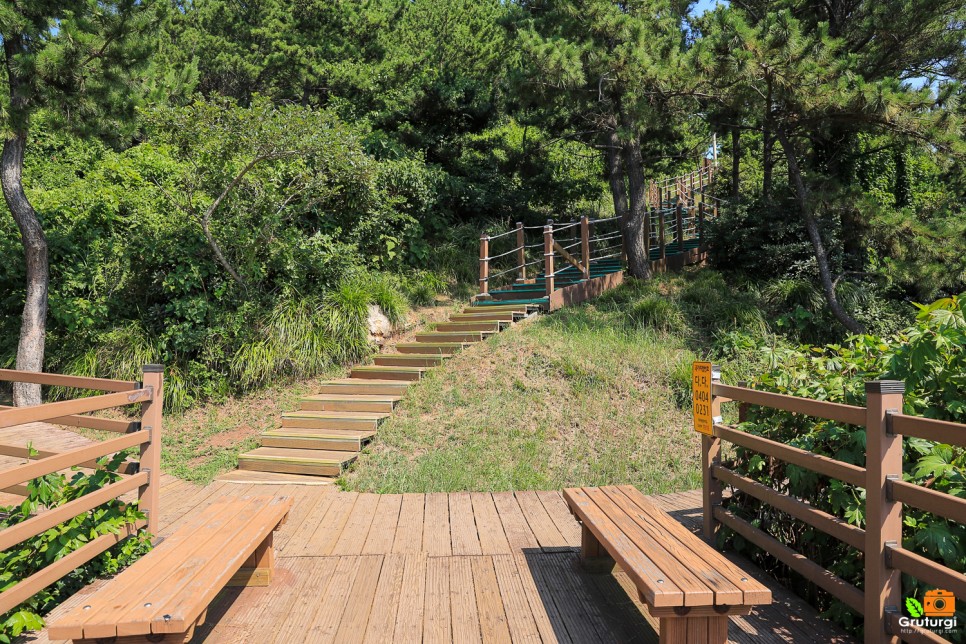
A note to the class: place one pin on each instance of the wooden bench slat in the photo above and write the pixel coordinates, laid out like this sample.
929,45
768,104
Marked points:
698,561
634,562
124,617
696,592
753,591
208,582
113,596
180,577
682,562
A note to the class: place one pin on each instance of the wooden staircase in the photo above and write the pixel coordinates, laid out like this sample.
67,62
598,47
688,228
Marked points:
331,428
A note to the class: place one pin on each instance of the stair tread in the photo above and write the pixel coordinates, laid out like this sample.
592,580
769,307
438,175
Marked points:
415,356
304,432
298,454
382,367
353,397
366,381
347,415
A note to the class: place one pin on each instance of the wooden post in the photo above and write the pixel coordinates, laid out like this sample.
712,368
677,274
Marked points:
522,251
883,516
679,214
711,456
548,258
701,224
149,494
660,235
585,245
484,264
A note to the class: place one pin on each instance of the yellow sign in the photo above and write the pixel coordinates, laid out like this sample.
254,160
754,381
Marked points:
701,376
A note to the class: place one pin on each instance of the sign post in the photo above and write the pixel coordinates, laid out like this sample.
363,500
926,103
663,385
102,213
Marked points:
702,375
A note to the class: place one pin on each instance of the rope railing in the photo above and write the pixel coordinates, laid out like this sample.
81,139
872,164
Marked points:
678,210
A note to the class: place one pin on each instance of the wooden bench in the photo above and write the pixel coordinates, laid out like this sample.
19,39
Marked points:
688,585
165,594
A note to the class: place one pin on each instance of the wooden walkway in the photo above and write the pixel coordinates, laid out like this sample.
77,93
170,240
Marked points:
459,567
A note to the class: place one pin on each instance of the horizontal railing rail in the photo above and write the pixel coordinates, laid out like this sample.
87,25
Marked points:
144,434
885,493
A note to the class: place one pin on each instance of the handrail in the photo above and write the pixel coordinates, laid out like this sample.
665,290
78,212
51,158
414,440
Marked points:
885,493
146,480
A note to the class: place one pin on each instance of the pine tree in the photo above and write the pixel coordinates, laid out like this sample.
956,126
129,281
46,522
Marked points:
73,58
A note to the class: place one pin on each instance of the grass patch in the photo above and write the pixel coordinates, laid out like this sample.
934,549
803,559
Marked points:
585,396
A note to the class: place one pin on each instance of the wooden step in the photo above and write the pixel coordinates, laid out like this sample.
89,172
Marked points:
529,304
378,372
409,360
349,402
362,420
484,327
517,294
481,307
336,440
436,348
496,316
370,386
449,336
317,462
251,477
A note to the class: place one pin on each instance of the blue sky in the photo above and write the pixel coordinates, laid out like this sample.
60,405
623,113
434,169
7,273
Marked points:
703,5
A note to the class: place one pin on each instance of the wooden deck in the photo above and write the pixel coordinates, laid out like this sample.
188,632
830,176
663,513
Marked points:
465,567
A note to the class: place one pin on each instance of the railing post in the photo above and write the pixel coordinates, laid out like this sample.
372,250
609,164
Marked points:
585,245
679,214
660,235
484,264
522,251
711,456
883,516
548,258
701,223
149,494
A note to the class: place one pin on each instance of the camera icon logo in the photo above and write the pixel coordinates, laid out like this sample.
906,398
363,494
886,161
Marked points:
939,603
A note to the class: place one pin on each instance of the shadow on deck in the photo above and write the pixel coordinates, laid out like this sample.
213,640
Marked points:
445,567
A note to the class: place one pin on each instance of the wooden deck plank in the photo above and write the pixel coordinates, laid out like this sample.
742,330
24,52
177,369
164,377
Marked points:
384,522
465,539
519,617
465,616
382,620
493,541
297,537
409,618
436,528
540,523
355,620
305,604
323,540
557,509
331,606
489,602
356,529
409,531
515,527
545,613
437,625
554,576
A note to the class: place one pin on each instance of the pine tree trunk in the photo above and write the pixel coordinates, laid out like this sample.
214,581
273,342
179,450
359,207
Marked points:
768,143
631,230
814,234
633,225
30,350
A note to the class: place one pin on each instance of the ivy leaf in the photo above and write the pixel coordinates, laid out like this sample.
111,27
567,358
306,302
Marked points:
914,607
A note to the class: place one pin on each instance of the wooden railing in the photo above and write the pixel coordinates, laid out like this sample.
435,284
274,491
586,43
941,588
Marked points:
145,434
885,559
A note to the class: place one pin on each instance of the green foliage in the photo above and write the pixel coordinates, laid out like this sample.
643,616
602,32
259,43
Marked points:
930,357
38,552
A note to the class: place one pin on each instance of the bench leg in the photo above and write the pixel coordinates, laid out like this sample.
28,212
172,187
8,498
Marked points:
258,569
593,557
694,630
